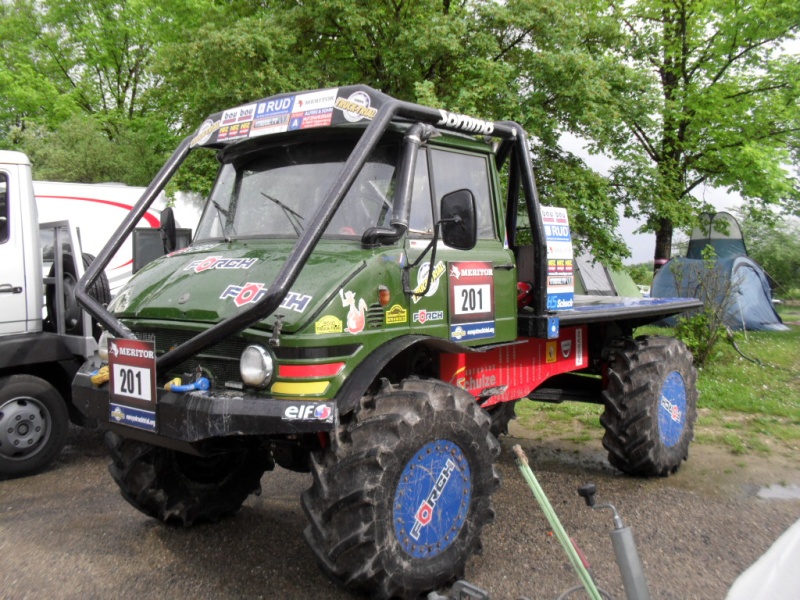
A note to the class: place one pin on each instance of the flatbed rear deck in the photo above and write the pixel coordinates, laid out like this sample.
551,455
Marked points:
628,313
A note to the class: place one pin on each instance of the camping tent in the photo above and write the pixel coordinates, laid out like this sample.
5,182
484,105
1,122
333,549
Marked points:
720,231
751,303
595,279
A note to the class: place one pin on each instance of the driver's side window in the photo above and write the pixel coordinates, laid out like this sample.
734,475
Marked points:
451,171
459,170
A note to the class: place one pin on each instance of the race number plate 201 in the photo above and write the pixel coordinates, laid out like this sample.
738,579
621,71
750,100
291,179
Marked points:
132,383
471,300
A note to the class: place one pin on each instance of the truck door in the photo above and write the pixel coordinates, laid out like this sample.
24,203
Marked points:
472,292
13,308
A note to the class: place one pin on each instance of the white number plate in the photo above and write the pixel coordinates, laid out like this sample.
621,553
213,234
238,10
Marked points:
472,299
133,382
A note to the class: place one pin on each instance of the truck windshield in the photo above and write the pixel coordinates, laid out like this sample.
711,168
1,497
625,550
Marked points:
275,192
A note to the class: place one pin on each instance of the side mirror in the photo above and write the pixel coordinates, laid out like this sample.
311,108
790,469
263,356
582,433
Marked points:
167,230
458,220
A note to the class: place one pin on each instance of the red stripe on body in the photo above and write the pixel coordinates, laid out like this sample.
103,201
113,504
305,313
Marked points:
309,371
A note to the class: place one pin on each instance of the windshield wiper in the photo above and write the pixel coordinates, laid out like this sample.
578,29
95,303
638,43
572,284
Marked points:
221,211
294,222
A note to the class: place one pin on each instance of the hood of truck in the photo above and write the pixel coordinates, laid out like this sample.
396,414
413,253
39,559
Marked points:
211,282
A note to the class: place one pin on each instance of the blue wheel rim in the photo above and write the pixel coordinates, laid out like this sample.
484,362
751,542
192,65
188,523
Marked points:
672,409
432,499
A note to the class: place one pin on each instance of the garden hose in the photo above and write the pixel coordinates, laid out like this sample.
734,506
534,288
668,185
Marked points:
755,361
558,529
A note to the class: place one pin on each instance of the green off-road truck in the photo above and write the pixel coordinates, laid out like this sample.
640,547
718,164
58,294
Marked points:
357,302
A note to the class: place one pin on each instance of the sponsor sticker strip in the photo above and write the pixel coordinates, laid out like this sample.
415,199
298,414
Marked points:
560,274
312,109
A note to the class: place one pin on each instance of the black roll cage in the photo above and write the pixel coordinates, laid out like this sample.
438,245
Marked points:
514,144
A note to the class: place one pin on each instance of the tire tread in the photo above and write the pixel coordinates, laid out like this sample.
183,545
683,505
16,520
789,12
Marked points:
343,530
630,398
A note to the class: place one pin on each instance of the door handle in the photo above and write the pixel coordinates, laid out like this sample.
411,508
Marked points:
7,288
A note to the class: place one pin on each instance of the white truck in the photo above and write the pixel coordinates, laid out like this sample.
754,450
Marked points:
44,335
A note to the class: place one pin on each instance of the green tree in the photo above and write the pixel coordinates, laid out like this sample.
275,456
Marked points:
641,273
26,90
145,73
79,150
94,54
528,61
88,62
228,62
711,96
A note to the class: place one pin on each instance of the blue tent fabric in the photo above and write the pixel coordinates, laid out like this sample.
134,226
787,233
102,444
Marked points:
752,306
721,231
722,248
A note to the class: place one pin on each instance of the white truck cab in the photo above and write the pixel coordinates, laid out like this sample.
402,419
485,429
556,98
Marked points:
20,290
44,334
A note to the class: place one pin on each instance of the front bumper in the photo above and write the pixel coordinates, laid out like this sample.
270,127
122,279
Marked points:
193,417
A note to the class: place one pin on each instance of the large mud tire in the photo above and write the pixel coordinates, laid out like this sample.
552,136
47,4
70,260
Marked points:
179,488
369,527
33,425
650,406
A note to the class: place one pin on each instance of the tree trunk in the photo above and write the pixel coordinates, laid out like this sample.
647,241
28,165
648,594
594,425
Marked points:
663,244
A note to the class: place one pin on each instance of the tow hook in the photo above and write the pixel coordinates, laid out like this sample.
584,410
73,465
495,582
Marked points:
201,384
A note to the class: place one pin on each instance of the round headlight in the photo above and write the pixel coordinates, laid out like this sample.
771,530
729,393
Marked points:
256,366
102,346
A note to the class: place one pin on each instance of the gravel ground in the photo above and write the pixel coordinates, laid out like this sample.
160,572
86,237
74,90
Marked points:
67,533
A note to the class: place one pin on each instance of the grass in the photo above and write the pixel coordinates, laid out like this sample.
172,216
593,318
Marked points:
570,421
747,407
753,406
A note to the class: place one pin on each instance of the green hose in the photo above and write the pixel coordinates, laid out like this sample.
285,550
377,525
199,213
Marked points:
558,529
